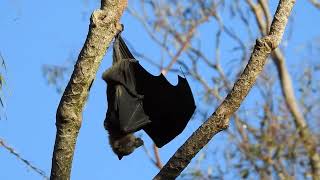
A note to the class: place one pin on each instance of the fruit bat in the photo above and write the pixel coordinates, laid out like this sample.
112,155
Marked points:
139,100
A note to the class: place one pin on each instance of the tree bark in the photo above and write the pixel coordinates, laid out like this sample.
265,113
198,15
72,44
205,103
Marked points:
307,137
104,24
309,141
219,120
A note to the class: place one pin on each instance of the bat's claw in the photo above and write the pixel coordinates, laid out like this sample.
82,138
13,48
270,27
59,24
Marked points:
119,27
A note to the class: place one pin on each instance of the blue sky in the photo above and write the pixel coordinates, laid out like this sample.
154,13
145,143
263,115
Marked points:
34,33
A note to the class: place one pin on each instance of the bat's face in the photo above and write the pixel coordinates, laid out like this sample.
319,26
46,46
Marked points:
125,145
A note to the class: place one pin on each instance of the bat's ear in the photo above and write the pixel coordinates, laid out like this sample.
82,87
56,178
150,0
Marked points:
139,142
120,157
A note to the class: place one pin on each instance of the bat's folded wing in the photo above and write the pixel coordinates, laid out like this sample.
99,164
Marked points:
125,105
138,100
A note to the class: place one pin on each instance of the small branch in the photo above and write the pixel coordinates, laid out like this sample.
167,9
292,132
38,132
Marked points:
104,24
307,138
258,12
182,48
185,43
288,93
219,120
149,155
12,151
315,3
157,156
156,162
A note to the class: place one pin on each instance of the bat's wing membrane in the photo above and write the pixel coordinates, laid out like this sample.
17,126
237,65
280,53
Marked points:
138,100
169,107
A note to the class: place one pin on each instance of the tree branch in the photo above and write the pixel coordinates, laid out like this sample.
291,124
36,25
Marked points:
315,3
308,139
157,157
219,120
104,24
28,163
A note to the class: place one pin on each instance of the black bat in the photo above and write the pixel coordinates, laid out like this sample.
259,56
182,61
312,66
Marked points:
138,100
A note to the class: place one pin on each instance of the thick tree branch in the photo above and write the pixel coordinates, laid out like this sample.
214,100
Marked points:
104,24
288,93
307,138
219,120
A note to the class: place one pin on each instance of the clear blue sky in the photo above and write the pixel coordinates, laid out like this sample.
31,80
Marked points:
34,33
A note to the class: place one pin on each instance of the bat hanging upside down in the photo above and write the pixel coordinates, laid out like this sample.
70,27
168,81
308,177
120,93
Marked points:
138,100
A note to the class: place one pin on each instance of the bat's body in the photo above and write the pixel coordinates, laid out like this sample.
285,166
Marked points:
138,100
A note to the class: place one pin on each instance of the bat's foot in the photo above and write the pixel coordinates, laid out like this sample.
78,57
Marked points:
119,27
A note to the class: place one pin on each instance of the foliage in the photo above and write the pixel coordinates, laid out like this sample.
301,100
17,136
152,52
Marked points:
268,136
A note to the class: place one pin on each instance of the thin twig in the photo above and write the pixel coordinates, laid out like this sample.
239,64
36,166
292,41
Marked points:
157,156
219,120
288,91
149,155
28,163
315,3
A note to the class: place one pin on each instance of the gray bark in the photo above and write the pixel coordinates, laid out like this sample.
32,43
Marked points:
219,120
104,24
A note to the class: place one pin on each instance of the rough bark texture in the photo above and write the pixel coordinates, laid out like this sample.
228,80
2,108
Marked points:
104,24
308,139
219,120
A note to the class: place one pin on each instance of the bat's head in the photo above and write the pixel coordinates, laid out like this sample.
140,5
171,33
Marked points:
124,145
